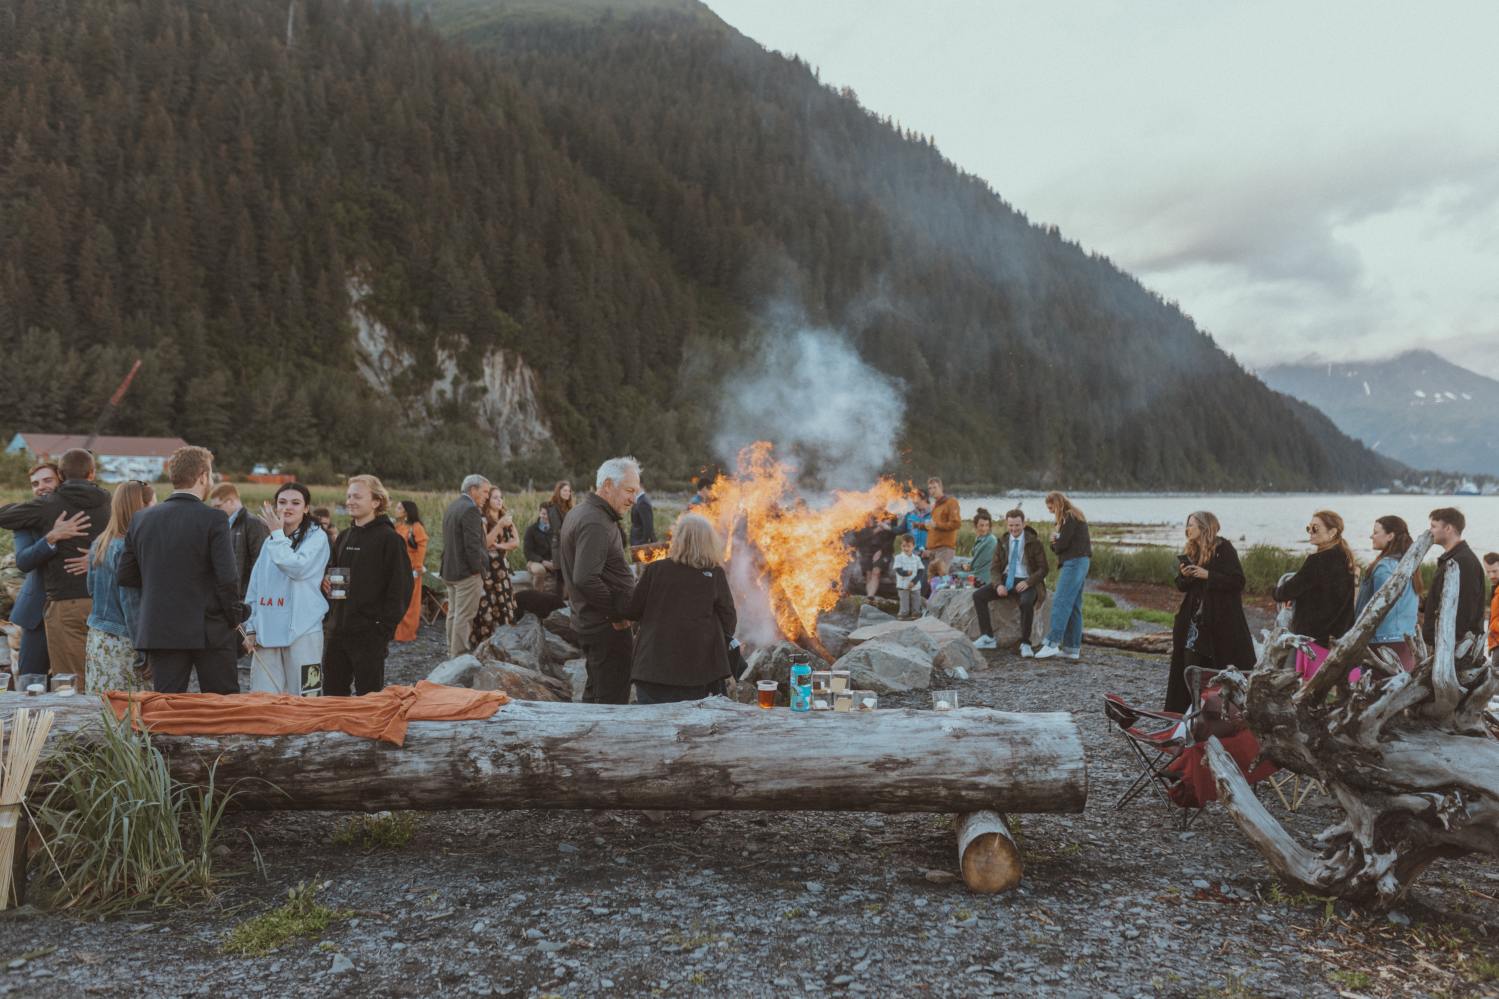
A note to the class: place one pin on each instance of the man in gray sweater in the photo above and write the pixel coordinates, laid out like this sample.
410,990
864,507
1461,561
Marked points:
597,580
464,561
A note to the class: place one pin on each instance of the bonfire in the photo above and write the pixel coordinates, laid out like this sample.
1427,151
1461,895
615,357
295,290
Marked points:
786,555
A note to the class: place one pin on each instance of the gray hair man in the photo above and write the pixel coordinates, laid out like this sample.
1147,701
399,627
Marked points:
465,559
597,580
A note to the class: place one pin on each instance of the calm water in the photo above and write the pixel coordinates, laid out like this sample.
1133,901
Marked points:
1278,519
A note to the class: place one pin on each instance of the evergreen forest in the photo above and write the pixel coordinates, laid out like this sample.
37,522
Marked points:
616,199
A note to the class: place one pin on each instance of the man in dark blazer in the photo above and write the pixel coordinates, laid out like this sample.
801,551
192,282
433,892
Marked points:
642,521
465,560
178,553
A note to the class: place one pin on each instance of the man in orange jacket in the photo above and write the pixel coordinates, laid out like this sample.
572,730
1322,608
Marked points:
942,532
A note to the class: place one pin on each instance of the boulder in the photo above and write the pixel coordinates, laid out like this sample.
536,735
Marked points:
870,614
888,668
833,637
773,662
952,652
559,650
560,623
576,673
517,681
522,643
955,607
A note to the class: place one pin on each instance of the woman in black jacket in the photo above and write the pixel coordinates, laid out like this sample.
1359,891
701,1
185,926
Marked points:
1323,588
1074,551
1210,629
687,618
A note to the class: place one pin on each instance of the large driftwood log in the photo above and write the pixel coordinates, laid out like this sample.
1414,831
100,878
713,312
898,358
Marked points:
712,754
1405,755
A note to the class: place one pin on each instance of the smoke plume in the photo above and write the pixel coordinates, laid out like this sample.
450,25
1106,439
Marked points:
810,394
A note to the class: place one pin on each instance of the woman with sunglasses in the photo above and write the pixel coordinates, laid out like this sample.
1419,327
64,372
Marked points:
1322,589
284,635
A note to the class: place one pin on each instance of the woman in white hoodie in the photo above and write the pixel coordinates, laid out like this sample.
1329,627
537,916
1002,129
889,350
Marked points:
284,635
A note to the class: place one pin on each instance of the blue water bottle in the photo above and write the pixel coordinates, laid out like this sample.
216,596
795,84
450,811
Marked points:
801,687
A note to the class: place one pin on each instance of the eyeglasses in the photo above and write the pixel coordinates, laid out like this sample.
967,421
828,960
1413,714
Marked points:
1313,528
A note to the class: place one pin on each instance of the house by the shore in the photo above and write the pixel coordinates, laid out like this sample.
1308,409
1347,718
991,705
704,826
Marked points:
119,458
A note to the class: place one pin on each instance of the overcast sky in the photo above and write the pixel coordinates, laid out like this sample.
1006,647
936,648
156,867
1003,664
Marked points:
1301,177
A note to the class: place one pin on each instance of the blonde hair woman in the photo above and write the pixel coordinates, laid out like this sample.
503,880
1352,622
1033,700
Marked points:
1074,552
109,655
687,618
1210,628
366,610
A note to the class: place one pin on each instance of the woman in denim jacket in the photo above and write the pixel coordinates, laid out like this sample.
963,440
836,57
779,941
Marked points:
1392,539
110,657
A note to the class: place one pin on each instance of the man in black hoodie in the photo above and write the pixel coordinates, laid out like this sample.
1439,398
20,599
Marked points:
68,602
1447,526
374,598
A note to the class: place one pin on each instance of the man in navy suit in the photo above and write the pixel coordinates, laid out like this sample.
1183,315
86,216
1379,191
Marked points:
178,552
33,551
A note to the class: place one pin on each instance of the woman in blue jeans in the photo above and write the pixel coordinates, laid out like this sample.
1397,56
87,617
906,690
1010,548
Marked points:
1074,553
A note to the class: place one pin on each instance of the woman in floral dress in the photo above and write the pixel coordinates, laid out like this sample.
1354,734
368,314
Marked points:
497,605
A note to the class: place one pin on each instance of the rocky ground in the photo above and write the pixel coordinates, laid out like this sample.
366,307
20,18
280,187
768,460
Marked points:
762,904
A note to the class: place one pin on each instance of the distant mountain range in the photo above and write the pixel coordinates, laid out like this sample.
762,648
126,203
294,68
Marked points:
1417,408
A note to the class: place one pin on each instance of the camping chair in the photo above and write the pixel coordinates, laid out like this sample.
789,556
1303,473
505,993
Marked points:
1170,747
434,604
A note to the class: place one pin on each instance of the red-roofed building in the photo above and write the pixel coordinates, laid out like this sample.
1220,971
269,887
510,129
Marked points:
119,458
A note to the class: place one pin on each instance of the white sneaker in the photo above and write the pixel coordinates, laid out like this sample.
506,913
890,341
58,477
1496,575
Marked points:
1078,654
985,642
1026,652
1047,651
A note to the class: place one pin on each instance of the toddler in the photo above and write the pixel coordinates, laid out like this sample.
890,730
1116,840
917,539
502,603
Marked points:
908,579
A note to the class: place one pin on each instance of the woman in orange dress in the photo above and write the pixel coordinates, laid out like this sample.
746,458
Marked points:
409,527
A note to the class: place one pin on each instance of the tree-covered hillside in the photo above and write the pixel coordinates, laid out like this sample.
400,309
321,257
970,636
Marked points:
616,202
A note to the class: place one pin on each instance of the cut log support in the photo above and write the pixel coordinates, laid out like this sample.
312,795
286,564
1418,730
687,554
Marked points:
1405,755
987,854
711,754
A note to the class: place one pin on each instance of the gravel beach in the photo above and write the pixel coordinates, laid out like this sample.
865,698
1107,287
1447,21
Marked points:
537,903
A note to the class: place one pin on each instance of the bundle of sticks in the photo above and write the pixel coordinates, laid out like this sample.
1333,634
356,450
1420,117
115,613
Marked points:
28,734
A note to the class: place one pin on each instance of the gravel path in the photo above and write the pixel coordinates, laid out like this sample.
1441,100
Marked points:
768,904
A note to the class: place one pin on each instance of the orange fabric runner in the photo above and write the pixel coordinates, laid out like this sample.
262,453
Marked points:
380,716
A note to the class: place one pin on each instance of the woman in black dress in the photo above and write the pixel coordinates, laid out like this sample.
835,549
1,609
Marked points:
497,605
1210,629
687,618
1323,588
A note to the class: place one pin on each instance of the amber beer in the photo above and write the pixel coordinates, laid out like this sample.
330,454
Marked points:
767,692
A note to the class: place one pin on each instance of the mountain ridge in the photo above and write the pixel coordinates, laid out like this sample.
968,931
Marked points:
1415,406
549,241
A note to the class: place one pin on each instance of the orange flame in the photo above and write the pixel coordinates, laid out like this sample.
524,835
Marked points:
800,549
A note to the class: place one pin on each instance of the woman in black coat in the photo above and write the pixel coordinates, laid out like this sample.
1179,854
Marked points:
1323,588
1210,629
687,618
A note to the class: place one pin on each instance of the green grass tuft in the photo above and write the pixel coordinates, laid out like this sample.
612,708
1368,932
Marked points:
119,832
302,916
382,830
